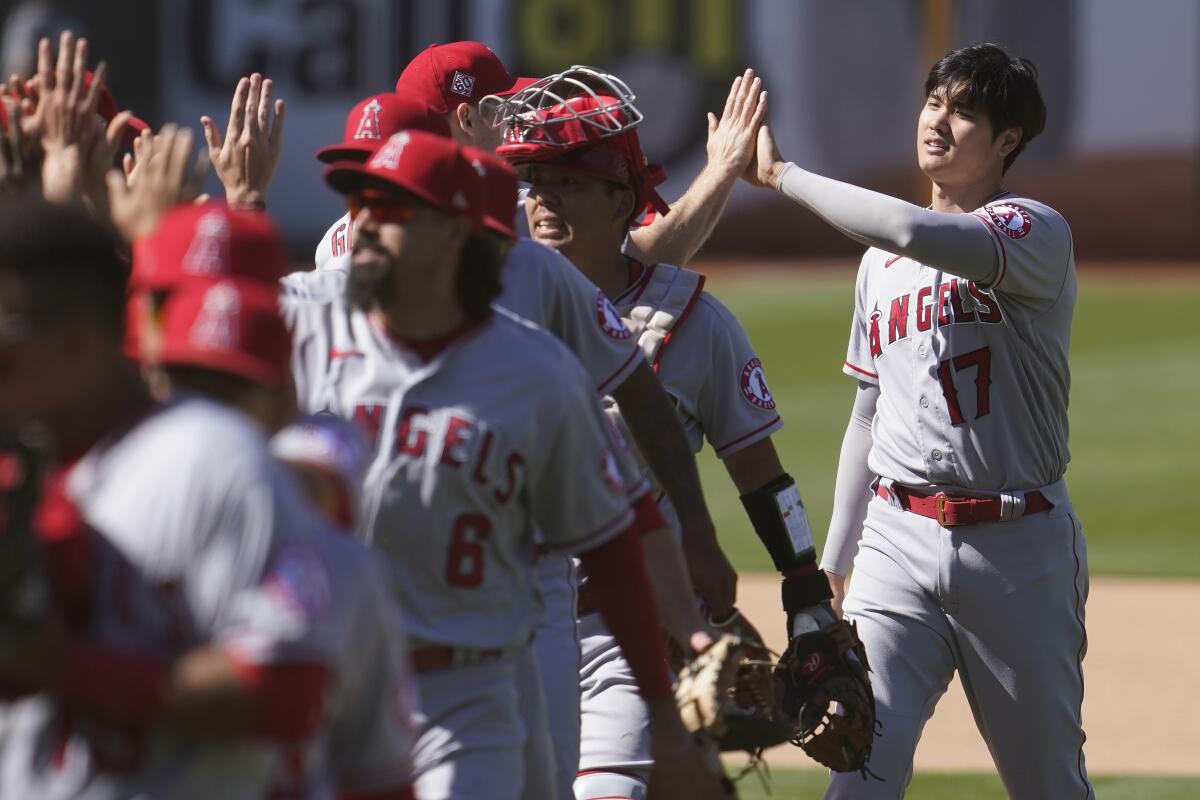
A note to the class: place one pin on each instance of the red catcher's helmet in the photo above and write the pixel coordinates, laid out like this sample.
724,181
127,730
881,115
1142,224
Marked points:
585,120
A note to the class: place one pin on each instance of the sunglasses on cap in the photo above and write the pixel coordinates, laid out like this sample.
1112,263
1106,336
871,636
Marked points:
383,207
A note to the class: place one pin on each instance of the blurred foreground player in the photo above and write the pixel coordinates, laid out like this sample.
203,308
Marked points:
467,460
152,675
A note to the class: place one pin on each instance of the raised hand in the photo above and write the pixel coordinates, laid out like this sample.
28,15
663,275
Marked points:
731,139
166,175
245,161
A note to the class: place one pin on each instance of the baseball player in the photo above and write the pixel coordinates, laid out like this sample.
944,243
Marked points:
469,455
183,652
585,186
329,457
950,484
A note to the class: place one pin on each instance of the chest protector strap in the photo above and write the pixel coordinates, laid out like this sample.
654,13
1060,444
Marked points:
661,307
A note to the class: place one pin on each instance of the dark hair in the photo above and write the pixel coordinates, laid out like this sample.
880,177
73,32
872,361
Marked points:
985,77
478,280
62,262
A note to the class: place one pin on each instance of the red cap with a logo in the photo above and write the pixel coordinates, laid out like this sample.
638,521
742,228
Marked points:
431,167
229,326
500,191
205,243
375,119
445,75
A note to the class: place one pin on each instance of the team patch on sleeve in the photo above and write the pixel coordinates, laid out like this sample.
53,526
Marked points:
610,321
1012,220
754,386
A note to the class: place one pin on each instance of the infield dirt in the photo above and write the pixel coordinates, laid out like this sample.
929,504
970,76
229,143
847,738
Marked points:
1142,684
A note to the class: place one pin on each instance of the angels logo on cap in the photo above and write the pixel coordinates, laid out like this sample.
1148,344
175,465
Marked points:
368,126
463,84
388,156
1013,221
610,321
754,386
208,253
216,326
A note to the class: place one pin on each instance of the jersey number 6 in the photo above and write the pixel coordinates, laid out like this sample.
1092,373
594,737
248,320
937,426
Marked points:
982,359
464,561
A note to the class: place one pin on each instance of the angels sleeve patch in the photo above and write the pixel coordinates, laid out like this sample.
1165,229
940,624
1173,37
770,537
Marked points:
610,321
754,386
1012,220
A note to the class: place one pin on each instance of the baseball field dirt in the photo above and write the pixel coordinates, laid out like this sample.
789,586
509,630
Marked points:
1141,694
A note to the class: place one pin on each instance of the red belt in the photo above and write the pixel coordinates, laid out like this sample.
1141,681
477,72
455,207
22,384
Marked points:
439,656
951,511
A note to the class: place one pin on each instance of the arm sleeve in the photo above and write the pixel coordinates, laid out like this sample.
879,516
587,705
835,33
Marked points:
579,464
852,491
956,243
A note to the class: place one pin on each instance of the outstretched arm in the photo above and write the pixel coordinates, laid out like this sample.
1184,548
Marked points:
851,493
675,238
957,242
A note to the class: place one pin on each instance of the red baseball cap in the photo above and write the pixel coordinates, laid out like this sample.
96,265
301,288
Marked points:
208,242
107,108
375,119
445,75
431,167
500,191
230,326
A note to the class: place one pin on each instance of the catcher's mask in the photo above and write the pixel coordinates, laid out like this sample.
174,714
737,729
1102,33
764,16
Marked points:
585,120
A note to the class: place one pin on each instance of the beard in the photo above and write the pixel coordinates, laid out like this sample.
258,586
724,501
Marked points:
369,282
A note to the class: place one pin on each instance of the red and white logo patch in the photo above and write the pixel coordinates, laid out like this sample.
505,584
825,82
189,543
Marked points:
1013,221
610,321
754,386
368,126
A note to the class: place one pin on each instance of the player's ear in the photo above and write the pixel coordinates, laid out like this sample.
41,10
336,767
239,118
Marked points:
462,124
1008,140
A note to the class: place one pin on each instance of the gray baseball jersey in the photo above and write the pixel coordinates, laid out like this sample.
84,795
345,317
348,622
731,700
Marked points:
333,251
702,357
472,450
973,379
202,540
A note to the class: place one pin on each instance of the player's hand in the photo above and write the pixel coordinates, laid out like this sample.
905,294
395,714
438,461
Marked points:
838,584
63,114
166,176
731,139
713,577
681,769
764,169
245,161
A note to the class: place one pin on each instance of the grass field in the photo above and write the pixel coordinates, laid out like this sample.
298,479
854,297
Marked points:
1135,431
791,784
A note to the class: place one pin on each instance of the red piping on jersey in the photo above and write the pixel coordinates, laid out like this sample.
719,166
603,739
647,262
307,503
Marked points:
860,369
602,389
639,278
287,700
647,517
428,349
621,587
683,315
724,447
620,522
1003,253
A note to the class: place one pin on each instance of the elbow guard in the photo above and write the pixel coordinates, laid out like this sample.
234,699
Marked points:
778,516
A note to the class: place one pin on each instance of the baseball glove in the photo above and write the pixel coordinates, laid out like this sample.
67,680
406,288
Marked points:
821,667
728,693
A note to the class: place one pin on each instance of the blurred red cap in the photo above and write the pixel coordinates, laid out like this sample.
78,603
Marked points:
207,242
107,108
375,119
229,326
431,167
500,191
445,75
